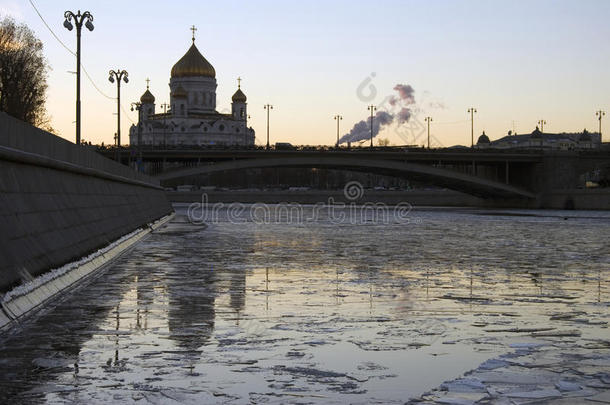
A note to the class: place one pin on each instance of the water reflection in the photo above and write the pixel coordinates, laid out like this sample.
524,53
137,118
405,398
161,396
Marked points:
40,351
379,311
237,290
191,312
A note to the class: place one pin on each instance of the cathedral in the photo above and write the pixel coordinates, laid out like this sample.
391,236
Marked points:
192,118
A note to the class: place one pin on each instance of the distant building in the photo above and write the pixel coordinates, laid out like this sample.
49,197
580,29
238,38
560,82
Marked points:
192,118
540,140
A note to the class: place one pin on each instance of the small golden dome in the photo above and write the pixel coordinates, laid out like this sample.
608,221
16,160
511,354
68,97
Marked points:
193,64
239,97
179,92
147,97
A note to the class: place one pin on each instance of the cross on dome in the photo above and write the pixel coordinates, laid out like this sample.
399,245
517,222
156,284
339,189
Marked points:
193,29
239,82
147,83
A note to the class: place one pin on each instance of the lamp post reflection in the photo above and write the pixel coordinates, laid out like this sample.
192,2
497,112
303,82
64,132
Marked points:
267,289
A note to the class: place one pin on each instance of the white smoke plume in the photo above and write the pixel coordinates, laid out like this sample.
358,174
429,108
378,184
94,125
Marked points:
405,93
362,130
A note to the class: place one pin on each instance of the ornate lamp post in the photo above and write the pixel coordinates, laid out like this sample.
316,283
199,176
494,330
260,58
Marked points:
372,109
246,118
138,106
268,107
79,18
338,118
599,114
119,75
541,123
165,106
428,120
471,111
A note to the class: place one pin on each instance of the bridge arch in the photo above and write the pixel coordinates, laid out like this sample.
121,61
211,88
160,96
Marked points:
442,177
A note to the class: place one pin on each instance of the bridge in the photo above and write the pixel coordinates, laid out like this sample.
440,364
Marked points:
520,174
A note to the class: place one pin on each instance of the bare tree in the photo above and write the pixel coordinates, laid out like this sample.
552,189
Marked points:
383,142
23,73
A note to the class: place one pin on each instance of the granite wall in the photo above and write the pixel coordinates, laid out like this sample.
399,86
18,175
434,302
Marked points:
60,202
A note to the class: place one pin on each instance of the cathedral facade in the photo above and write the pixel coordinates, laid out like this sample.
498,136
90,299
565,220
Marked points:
192,118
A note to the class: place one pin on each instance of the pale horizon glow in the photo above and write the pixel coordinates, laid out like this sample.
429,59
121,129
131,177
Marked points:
516,62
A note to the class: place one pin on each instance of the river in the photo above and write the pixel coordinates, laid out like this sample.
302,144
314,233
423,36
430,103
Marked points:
318,309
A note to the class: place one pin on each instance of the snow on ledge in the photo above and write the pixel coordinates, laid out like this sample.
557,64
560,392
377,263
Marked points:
53,274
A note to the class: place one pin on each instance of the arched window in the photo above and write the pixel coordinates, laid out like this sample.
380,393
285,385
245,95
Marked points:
221,127
182,109
241,112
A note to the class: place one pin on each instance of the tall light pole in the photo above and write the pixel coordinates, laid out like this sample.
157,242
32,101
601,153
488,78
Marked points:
372,109
268,107
338,118
118,74
79,18
471,111
428,120
246,118
599,114
165,106
541,123
138,106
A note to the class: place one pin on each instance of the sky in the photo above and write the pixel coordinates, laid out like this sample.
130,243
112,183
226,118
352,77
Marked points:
516,62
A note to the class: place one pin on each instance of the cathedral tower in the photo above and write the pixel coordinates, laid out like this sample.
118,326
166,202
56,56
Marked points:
238,105
148,103
197,78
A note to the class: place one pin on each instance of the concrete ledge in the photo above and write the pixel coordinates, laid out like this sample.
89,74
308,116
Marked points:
33,159
577,199
443,198
23,304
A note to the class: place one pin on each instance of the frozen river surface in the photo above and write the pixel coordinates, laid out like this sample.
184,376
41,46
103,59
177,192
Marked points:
456,306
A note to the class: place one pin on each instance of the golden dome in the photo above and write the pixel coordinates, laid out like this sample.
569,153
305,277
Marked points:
193,64
239,97
147,97
179,92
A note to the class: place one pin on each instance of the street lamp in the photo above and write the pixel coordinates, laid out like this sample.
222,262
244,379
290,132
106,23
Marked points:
599,114
428,120
541,123
119,75
246,118
338,118
138,106
268,107
79,18
471,111
165,106
372,109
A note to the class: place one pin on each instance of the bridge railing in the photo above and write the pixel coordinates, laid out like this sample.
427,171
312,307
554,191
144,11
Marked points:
313,148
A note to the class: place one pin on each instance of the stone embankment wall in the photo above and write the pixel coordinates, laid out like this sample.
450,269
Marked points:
579,199
60,201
